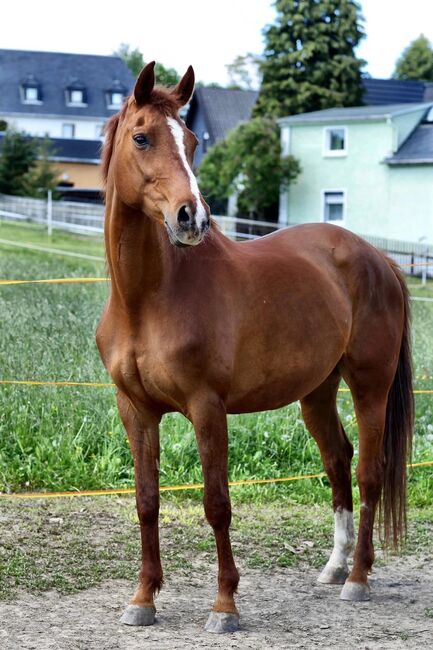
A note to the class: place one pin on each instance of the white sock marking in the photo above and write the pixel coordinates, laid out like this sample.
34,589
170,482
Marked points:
178,135
344,538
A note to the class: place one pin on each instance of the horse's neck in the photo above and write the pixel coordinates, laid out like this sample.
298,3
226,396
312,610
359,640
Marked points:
136,253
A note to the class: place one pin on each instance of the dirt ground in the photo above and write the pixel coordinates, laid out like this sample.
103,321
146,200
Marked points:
279,609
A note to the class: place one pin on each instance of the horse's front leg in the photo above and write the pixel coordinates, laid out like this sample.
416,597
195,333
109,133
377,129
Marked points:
142,426
210,423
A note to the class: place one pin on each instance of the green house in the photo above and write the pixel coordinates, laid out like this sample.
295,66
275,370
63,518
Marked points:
369,169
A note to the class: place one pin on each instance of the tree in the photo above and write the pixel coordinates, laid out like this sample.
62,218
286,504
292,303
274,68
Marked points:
25,169
416,61
244,73
18,157
309,61
43,175
135,62
248,162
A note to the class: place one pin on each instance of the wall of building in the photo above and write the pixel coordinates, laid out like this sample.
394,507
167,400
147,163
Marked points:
381,200
80,174
361,174
411,203
404,125
85,128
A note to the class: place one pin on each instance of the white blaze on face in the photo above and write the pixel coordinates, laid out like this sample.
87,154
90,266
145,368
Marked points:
178,135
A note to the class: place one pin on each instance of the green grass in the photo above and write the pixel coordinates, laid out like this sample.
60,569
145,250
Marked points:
71,438
28,233
74,544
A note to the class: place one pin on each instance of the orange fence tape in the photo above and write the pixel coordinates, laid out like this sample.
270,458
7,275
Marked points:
173,488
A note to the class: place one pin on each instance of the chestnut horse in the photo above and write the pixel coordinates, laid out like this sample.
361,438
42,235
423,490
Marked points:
205,326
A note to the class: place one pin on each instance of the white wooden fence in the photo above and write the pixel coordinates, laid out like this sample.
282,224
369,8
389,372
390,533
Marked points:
87,219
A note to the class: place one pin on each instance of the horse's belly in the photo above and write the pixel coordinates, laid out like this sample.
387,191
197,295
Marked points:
275,392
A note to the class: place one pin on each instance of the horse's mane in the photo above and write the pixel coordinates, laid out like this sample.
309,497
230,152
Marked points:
161,98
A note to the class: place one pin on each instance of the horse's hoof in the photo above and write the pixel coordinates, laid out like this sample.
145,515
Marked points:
220,622
333,575
355,591
136,615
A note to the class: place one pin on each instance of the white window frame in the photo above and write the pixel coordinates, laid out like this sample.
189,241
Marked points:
327,151
111,94
26,100
70,124
334,191
69,100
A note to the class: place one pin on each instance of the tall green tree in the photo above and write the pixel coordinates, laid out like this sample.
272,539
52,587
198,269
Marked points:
135,61
416,61
18,158
309,60
248,162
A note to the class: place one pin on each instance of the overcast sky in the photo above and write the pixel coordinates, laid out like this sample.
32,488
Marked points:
208,35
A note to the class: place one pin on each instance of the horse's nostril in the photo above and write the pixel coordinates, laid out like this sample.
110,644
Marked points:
183,216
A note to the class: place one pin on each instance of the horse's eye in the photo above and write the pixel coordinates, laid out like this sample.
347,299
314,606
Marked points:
141,140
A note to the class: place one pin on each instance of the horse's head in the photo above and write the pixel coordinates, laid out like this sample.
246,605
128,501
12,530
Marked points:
148,156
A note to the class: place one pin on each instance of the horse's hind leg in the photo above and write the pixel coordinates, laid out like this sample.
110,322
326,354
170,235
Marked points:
320,415
370,409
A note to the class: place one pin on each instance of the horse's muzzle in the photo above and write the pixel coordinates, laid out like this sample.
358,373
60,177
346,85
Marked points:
185,234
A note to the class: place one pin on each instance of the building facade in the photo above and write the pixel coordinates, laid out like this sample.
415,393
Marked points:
369,169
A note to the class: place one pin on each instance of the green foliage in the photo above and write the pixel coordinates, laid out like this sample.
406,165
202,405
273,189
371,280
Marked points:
309,61
416,61
248,162
135,61
3,125
43,176
244,72
18,158
25,169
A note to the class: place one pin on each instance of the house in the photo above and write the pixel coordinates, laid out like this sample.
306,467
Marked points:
369,169
213,112
68,97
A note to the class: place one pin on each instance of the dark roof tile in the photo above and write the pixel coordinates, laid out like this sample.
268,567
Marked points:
55,72
417,149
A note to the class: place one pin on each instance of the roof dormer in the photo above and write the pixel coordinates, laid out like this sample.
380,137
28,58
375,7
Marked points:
115,95
30,90
76,94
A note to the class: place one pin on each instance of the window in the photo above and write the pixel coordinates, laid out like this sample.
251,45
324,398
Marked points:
334,206
99,130
30,90
76,97
68,130
75,94
115,100
335,141
31,94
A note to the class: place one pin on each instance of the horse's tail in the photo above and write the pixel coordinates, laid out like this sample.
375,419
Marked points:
398,433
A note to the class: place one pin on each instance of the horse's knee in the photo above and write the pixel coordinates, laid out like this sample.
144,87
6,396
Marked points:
218,510
148,509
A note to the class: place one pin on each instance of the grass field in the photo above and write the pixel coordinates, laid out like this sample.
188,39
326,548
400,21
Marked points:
68,438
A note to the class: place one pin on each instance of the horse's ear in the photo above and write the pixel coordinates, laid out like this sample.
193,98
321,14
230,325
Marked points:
144,84
185,87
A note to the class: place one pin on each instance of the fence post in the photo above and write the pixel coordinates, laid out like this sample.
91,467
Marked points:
50,212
